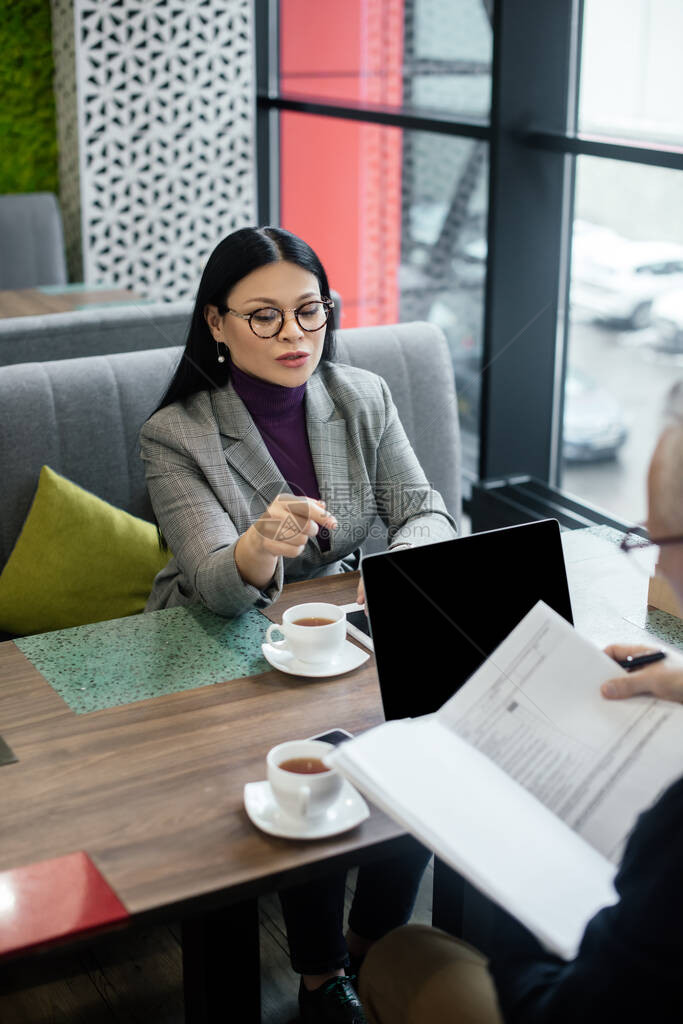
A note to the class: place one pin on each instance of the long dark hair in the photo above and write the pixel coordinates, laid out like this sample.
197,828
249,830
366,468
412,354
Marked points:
232,259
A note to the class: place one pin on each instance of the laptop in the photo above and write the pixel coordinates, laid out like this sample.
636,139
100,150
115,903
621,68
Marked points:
437,611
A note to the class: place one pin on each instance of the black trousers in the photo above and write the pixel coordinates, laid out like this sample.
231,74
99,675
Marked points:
383,900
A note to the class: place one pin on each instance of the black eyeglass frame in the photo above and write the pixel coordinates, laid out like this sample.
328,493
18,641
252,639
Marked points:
327,304
634,541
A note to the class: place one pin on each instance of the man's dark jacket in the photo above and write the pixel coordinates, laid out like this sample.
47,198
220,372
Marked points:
630,963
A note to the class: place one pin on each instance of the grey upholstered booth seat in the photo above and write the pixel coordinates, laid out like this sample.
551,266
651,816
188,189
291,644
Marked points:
415,362
93,332
32,241
99,332
81,417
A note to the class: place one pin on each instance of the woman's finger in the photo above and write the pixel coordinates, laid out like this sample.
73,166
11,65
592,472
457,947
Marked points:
279,520
281,549
288,524
289,530
306,508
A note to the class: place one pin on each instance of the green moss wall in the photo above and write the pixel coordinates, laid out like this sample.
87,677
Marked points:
28,141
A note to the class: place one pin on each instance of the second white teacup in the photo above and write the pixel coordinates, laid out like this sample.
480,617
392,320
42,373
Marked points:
314,633
301,783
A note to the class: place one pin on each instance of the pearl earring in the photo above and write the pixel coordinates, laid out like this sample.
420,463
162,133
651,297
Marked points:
221,358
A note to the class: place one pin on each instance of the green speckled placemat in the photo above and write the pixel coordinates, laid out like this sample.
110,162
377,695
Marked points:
126,660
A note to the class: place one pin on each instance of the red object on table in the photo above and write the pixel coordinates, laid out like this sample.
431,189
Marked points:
44,902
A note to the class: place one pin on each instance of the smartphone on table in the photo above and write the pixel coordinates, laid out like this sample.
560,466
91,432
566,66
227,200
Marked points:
357,624
334,736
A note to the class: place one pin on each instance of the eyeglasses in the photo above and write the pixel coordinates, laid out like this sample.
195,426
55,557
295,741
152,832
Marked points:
641,547
269,321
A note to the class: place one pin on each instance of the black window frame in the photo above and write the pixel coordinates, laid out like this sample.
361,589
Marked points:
533,143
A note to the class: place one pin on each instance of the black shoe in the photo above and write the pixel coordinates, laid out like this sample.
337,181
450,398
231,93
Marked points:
335,1002
353,978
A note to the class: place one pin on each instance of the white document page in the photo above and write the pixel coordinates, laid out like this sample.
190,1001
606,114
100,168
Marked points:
527,781
535,709
482,823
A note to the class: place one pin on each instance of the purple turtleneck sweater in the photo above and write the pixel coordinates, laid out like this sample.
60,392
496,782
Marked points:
280,417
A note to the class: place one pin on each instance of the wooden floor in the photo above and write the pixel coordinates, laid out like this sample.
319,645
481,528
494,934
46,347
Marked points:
136,978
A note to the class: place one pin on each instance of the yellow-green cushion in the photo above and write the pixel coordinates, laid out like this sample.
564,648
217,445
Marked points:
77,559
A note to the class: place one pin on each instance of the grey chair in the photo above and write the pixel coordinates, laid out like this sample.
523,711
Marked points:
82,416
31,241
415,361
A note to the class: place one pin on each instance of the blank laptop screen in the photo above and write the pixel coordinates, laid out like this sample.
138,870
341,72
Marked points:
437,611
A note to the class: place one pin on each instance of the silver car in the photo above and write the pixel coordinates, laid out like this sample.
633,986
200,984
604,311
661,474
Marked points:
667,319
617,280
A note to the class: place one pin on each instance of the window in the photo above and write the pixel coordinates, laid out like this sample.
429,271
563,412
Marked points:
626,298
631,71
512,170
621,360
409,54
397,214
399,220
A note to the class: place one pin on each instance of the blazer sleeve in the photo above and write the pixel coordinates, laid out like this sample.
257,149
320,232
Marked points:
413,512
197,528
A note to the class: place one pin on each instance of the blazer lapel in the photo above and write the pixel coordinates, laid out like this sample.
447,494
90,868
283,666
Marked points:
248,456
329,448
243,445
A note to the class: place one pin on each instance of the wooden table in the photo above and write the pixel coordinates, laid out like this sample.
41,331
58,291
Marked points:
66,299
153,792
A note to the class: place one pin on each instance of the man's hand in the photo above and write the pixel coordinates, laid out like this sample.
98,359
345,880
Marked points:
662,679
360,594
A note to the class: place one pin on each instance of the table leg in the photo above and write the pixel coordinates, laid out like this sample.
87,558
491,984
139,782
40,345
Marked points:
448,892
221,967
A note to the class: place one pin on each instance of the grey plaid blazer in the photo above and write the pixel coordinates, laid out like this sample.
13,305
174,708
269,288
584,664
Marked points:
210,476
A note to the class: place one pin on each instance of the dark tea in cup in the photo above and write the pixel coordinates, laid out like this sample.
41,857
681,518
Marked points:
304,765
313,622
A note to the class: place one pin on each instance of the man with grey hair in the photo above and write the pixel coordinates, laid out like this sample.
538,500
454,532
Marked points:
665,526
629,962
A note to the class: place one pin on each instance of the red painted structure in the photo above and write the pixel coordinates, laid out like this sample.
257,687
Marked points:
341,180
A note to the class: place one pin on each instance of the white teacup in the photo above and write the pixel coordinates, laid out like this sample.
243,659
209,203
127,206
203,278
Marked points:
303,796
315,644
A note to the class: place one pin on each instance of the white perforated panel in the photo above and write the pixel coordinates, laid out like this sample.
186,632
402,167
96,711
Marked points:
166,123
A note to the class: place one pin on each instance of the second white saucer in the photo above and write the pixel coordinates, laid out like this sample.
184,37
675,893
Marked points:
279,657
348,810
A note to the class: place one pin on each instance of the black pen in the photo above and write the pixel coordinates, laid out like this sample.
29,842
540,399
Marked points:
641,660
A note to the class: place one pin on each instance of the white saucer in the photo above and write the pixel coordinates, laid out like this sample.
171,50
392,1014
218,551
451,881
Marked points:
276,654
348,810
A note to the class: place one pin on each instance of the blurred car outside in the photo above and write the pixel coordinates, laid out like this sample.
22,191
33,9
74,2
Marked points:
667,320
616,280
594,427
